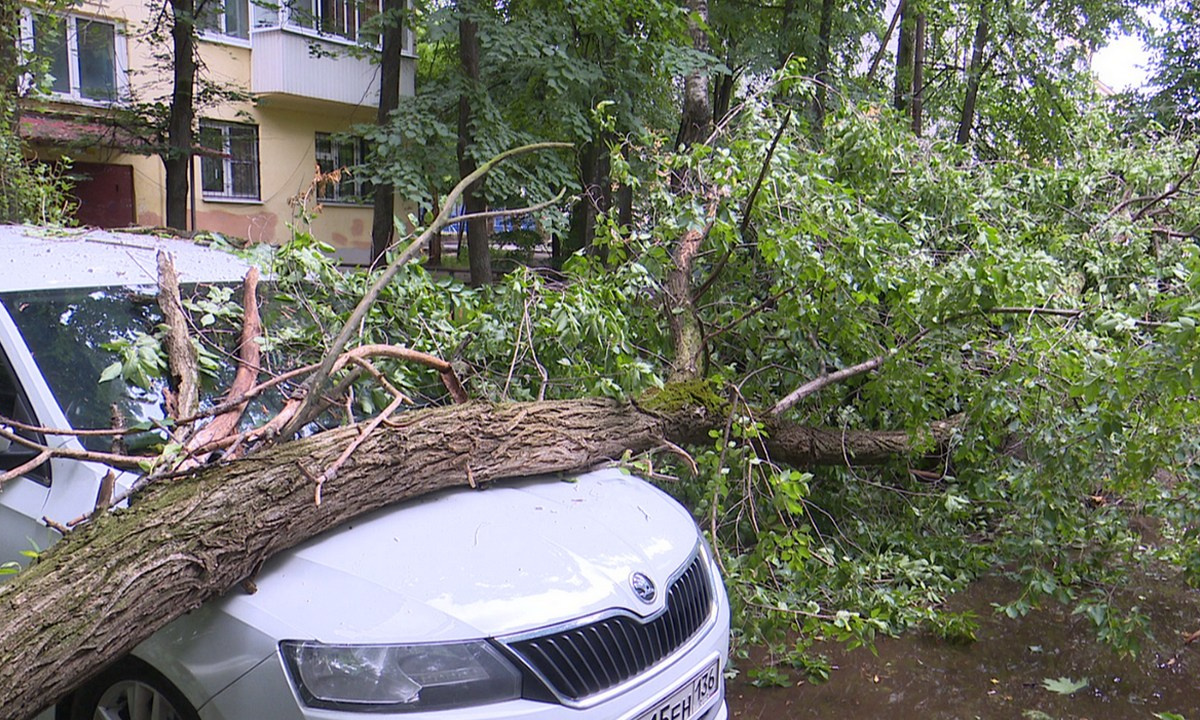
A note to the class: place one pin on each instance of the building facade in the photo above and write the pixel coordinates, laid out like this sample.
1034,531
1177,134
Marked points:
305,82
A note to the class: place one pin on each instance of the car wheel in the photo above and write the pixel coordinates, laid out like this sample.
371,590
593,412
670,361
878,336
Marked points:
131,690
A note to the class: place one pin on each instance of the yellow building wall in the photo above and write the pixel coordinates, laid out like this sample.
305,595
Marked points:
287,153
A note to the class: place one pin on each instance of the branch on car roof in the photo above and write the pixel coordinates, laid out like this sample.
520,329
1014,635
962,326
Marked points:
226,422
23,468
195,453
183,374
45,453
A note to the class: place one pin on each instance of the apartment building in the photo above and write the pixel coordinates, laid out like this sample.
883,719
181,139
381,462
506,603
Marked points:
306,84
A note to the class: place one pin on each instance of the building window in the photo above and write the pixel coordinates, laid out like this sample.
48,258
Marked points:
345,158
343,18
229,18
84,58
229,163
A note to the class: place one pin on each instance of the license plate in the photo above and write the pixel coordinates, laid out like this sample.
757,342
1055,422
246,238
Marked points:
691,699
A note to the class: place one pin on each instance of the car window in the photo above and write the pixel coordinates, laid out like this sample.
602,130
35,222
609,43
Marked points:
74,334
15,405
68,333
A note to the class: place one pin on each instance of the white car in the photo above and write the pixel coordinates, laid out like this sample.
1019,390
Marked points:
593,597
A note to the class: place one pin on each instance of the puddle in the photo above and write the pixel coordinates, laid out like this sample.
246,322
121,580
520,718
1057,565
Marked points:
1001,675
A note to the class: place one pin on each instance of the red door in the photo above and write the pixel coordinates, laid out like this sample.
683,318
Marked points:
105,194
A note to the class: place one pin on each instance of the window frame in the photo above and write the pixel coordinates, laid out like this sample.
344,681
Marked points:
335,193
225,155
309,16
220,32
75,90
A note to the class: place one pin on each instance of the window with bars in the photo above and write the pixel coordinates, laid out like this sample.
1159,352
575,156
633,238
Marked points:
229,163
349,156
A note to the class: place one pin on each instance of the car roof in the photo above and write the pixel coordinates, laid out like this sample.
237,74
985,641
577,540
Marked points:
38,258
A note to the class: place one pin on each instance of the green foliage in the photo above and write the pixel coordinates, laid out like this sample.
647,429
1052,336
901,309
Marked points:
1172,99
521,339
1021,297
956,628
533,87
1053,322
30,192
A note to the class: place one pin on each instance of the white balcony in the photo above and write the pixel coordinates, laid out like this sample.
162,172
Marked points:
292,62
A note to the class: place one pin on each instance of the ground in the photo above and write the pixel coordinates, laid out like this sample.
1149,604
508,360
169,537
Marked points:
1004,673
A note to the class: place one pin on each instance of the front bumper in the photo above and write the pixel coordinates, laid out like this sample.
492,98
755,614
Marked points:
266,691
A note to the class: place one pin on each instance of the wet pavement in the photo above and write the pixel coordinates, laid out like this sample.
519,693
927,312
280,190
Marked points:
1003,674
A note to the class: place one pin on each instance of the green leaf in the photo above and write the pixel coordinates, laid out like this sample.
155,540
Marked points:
112,372
1064,686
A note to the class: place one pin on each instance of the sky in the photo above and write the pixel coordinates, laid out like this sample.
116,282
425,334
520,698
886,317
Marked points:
1121,64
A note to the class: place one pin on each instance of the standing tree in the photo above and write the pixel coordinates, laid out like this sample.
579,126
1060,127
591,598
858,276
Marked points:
1173,95
392,20
177,158
974,76
474,203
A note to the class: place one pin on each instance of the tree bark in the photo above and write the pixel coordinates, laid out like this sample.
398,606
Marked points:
974,73
383,210
687,335
723,87
902,86
821,71
479,254
178,158
596,198
695,125
918,75
184,541
883,43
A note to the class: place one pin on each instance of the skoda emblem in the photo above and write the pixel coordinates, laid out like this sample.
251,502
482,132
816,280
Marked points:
643,587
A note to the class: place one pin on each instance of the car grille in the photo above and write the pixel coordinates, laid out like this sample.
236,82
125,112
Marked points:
587,659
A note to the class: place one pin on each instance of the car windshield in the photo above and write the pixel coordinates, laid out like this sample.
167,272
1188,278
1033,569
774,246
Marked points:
76,334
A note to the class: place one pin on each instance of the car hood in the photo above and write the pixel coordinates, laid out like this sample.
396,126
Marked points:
468,564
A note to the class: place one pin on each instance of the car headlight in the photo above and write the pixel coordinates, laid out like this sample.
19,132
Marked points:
400,678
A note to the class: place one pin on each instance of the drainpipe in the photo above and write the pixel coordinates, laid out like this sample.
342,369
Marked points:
192,187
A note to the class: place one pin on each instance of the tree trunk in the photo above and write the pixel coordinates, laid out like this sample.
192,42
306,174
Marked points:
478,253
883,43
178,158
687,333
723,95
185,541
695,125
821,71
918,75
974,74
902,87
595,199
384,211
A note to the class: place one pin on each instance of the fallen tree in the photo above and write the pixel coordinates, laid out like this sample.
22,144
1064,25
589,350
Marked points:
189,539
193,530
